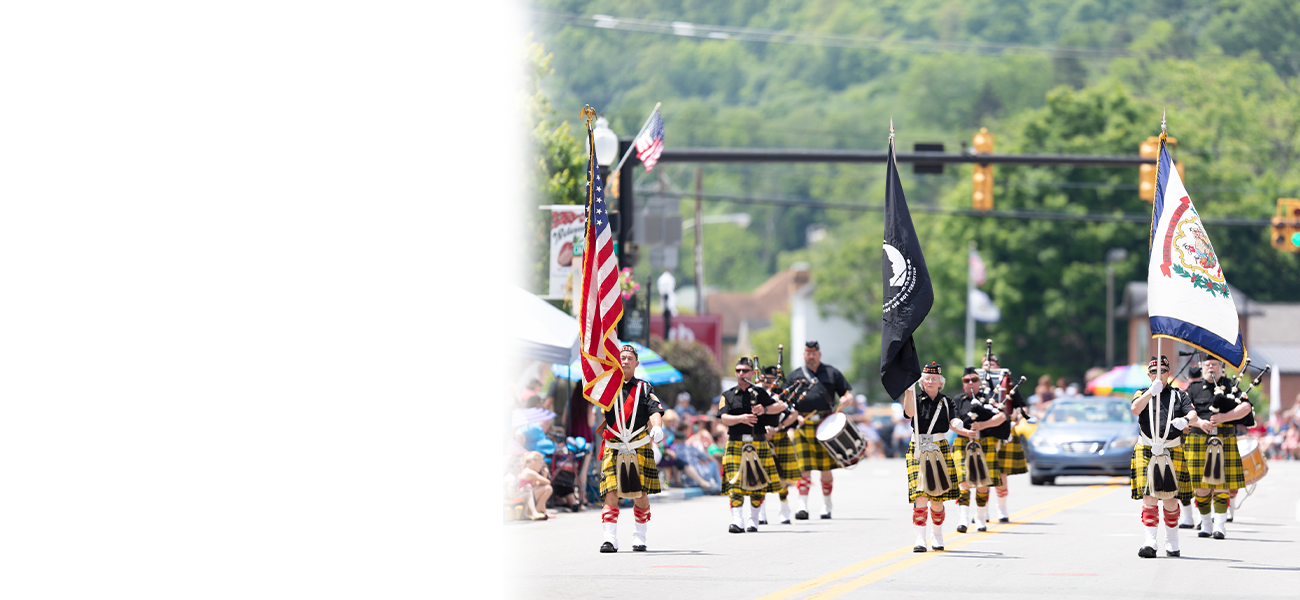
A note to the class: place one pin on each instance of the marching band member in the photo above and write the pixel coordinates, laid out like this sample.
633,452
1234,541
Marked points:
1011,452
624,432
1187,521
1217,409
787,466
741,407
825,384
931,476
1160,443
976,419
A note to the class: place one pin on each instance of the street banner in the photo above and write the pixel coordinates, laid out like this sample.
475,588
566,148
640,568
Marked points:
567,228
1187,293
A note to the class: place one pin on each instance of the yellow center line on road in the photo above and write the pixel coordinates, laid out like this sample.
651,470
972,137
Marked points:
1027,515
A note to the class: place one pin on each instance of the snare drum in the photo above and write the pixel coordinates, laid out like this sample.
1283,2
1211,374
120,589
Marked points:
1252,460
841,440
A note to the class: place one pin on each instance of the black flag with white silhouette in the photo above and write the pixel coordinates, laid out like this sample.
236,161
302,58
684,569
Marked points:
908,295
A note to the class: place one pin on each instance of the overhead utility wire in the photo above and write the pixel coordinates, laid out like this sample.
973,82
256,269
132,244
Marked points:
1030,215
772,36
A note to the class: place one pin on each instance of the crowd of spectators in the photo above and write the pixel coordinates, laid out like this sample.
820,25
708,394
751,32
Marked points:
1280,440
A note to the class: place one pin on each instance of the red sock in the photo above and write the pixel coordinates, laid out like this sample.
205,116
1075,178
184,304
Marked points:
1149,516
936,516
918,516
609,515
804,485
826,488
1171,516
642,514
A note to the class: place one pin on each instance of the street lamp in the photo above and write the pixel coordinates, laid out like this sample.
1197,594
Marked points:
1113,256
606,143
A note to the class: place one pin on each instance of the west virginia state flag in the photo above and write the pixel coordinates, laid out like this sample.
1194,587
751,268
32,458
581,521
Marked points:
1187,294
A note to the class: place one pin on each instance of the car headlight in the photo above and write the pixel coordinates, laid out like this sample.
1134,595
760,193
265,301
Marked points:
1043,445
1126,442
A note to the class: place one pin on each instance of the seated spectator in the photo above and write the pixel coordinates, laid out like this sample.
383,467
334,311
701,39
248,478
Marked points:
683,406
533,478
515,488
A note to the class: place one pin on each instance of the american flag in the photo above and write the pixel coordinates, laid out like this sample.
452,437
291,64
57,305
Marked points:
602,305
650,142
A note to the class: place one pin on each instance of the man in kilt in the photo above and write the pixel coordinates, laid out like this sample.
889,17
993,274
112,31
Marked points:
778,437
740,410
1011,447
634,411
822,389
976,418
1216,411
931,413
1160,435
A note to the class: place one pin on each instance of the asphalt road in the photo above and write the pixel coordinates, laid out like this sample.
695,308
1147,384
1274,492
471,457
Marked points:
1076,539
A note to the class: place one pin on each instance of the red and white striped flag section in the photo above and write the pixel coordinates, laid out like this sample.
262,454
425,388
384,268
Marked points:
650,141
602,305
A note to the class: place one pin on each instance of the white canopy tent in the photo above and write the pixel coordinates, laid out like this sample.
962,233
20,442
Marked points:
540,331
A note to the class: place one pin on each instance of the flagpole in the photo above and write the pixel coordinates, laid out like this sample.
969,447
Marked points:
638,134
970,318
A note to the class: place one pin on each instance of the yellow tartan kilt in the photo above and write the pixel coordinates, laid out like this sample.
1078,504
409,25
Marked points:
645,458
810,453
914,474
1012,456
787,465
990,446
1138,472
731,465
1194,443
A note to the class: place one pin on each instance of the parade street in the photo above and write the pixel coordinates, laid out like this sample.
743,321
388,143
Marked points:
1076,539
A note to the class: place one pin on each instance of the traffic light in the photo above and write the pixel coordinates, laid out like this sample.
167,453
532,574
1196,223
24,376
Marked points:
982,179
1147,173
1286,225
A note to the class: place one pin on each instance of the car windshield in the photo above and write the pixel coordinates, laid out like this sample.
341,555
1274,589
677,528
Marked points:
1106,411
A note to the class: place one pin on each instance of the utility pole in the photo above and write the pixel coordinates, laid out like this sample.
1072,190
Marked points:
699,241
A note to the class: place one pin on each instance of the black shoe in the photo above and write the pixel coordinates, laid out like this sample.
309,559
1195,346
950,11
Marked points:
1187,527
801,515
1218,535
640,548
1174,553
785,522
735,529
918,548
1004,520
981,529
1202,534
1147,552
751,529
826,516
961,529
1229,519
938,548
762,521
607,548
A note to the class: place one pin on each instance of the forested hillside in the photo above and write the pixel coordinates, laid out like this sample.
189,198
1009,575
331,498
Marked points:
1068,76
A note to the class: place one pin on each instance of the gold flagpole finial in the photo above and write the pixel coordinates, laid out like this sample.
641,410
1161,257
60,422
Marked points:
588,114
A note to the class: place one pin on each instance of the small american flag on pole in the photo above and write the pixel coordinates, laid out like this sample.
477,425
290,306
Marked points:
650,142
602,305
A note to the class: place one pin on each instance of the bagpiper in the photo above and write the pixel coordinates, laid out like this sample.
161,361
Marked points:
628,469
1214,462
748,468
779,431
931,475
977,422
1011,448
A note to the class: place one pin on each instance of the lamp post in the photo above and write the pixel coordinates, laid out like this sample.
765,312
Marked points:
1113,256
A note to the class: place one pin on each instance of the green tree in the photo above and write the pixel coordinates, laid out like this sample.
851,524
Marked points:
544,164
700,374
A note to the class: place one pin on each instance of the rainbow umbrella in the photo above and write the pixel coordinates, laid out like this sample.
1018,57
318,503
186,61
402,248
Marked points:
1120,381
652,368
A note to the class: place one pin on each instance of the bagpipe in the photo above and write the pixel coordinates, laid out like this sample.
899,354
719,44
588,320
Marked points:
1213,473
976,465
995,384
751,476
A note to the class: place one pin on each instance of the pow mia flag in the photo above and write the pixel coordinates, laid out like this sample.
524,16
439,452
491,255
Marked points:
907,295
